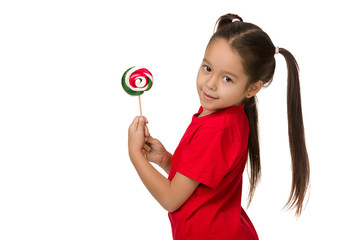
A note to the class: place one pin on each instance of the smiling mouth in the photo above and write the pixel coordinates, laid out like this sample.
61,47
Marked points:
208,97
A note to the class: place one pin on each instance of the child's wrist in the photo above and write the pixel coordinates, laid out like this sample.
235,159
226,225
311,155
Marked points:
135,155
166,160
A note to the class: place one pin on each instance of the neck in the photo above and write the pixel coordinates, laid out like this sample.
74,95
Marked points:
206,112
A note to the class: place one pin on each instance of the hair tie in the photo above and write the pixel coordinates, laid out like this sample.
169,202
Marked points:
236,20
276,50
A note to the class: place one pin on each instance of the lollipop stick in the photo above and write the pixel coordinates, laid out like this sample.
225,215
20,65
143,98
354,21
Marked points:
140,106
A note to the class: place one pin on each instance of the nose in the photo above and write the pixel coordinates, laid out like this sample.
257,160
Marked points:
211,82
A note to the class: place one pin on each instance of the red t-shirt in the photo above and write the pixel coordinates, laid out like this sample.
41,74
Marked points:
213,151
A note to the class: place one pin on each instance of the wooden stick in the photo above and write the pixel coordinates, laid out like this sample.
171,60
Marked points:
140,106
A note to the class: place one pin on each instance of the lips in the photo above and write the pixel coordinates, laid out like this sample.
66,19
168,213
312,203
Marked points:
209,97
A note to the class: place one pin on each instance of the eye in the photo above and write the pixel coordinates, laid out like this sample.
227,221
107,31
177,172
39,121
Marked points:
207,68
227,79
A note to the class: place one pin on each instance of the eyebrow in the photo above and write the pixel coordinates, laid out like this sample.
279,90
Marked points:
226,72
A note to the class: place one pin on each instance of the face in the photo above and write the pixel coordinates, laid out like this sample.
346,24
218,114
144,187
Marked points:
221,81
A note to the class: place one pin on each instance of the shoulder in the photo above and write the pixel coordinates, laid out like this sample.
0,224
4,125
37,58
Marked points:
232,123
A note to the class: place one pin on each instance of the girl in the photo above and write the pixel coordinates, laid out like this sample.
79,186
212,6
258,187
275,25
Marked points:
203,190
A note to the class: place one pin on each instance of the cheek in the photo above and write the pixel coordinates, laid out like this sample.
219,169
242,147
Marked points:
197,82
199,79
235,94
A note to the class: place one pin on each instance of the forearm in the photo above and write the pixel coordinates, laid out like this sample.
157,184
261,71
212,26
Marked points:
155,182
170,194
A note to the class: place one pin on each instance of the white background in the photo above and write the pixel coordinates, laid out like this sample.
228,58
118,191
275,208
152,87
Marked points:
64,168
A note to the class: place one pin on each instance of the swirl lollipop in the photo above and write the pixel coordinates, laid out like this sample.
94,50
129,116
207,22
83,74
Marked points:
136,80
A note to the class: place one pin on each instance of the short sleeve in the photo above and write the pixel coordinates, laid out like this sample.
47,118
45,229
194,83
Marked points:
208,157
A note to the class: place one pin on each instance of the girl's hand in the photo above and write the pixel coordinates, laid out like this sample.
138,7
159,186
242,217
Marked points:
154,151
137,136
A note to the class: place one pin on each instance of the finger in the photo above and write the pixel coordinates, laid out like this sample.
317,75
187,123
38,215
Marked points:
135,123
147,148
141,124
147,134
145,120
151,140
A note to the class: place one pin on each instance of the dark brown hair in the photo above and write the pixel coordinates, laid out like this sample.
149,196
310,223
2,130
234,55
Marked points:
257,53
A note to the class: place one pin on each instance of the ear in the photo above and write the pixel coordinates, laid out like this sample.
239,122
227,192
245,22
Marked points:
254,88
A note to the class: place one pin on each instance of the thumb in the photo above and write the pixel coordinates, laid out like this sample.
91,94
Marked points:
141,124
151,140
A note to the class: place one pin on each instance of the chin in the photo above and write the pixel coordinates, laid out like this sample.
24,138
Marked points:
209,108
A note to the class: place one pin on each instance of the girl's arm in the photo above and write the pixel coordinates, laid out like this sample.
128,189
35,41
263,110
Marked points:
170,194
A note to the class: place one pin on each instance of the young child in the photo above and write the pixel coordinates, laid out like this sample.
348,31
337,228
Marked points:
203,190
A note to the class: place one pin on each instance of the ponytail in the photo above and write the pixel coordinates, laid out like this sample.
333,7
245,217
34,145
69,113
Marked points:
253,145
299,156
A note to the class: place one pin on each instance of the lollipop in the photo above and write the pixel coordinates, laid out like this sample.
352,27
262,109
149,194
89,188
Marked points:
136,80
